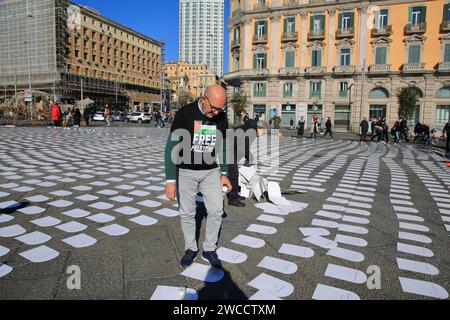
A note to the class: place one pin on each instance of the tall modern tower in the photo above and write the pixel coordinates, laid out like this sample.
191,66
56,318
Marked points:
201,33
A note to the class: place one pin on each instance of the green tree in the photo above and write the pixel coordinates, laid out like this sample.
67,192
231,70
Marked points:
408,97
239,103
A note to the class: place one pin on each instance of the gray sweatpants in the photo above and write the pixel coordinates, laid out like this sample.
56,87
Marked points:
191,182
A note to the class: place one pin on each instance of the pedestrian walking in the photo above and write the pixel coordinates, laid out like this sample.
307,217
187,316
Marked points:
404,129
187,175
86,115
291,124
56,115
107,115
301,127
314,126
364,125
76,117
328,126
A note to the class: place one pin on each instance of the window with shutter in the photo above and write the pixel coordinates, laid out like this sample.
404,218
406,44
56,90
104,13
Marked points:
380,55
414,54
289,59
447,12
447,53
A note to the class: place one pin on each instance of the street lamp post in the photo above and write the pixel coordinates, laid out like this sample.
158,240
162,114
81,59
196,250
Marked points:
29,61
350,104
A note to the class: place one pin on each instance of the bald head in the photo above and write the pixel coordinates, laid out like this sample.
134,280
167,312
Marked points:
215,98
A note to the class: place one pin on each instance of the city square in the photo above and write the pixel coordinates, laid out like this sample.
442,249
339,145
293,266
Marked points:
366,221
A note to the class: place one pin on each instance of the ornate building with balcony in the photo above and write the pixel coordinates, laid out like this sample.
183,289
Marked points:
343,59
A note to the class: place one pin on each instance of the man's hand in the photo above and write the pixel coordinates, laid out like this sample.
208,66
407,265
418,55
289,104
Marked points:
171,191
224,181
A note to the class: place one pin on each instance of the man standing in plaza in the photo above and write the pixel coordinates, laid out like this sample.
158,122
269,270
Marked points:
328,126
364,129
197,128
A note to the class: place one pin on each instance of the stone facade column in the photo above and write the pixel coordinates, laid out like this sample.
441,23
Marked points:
230,56
247,41
363,35
303,40
331,38
274,44
248,5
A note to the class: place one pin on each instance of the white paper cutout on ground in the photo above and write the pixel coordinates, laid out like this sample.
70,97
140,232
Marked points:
47,184
354,241
278,265
34,238
82,188
314,232
352,229
3,250
257,228
121,199
324,292
324,223
203,273
249,241
346,254
163,197
321,242
149,203
423,288
333,207
154,188
247,172
167,212
144,220
114,230
61,193
87,197
101,205
5,218
80,241
173,293
76,213
72,227
275,196
416,250
3,194
9,205
4,270
271,219
231,256
328,214
297,251
417,266
32,210
60,203
413,226
107,192
139,193
12,231
345,274
24,189
40,254
101,218
46,222
129,211
273,285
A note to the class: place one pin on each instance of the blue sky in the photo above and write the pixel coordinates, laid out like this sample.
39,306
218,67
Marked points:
154,18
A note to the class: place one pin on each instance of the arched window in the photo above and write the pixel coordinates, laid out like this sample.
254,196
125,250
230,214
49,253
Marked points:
443,92
379,92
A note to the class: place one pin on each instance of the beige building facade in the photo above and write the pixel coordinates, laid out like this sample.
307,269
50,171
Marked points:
340,59
185,77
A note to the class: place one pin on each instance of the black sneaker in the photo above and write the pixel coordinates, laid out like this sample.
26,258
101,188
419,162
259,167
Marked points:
212,258
188,258
236,203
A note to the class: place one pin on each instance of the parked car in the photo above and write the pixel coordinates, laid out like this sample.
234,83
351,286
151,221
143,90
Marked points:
119,116
140,117
98,116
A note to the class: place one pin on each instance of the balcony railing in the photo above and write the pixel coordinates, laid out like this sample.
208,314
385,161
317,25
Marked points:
345,32
444,67
290,3
380,68
445,26
259,38
344,69
287,94
316,34
289,36
260,6
382,30
235,44
416,28
288,71
315,70
413,67
246,73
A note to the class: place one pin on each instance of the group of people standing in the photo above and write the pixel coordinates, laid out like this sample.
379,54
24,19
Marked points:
317,126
